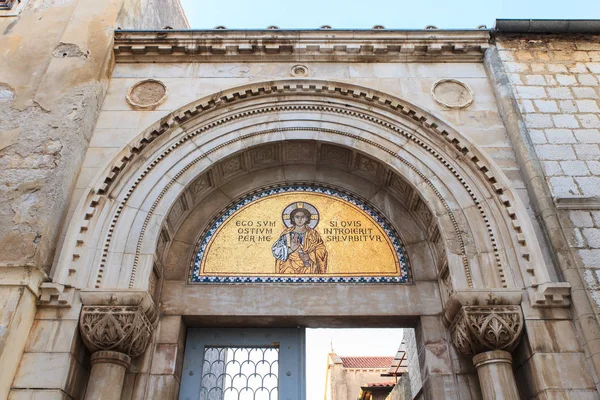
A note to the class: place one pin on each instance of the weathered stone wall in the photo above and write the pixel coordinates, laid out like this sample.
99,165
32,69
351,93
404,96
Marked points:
414,371
57,61
149,14
555,81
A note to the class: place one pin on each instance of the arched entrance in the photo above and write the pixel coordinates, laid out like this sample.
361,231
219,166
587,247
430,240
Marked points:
471,247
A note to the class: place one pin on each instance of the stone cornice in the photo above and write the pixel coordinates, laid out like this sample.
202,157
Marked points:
301,45
577,202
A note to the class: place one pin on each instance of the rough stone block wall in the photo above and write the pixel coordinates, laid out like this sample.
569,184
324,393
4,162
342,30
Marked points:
556,83
412,352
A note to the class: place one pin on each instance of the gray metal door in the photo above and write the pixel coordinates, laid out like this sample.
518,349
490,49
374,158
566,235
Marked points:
244,364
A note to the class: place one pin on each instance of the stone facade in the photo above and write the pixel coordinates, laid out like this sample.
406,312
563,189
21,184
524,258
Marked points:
347,375
118,147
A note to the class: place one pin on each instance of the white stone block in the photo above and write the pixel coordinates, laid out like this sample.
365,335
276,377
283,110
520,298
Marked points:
590,258
538,121
589,185
557,68
589,277
581,219
530,92
578,68
567,106
587,106
592,237
564,186
594,67
584,93
587,135
559,93
515,79
550,80
537,136
587,151
587,79
555,152
534,80
552,168
596,218
594,167
565,121
560,136
546,106
566,80
527,106
575,168
589,120
516,67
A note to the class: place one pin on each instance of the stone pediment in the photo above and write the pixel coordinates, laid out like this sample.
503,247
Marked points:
305,45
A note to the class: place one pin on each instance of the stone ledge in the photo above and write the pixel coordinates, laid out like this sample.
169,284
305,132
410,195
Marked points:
551,294
29,276
55,295
577,202
305,45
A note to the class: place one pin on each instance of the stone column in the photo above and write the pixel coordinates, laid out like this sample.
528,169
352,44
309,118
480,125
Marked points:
115,326
489,334
108,373
496,377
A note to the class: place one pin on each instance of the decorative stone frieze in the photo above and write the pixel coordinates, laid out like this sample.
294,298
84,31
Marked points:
477,329
329,45
117,321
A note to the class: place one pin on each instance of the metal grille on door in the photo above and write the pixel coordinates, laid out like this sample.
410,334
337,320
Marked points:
240,373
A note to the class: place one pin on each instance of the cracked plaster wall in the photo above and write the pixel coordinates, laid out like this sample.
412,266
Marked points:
56,63
58,57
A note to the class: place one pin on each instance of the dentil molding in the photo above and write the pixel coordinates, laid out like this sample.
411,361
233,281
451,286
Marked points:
306,45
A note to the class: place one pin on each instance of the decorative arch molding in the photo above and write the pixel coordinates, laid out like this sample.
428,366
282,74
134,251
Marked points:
413,143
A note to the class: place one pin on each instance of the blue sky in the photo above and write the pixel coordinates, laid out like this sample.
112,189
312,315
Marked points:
398,14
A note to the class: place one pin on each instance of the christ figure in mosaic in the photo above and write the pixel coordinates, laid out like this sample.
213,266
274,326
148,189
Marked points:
300,248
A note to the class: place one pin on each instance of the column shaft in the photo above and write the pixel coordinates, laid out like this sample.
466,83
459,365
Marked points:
496,376
107,375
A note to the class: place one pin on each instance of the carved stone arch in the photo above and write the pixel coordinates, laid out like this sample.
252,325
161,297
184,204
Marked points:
466,191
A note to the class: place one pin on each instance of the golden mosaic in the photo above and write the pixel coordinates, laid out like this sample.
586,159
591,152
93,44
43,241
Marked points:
300,234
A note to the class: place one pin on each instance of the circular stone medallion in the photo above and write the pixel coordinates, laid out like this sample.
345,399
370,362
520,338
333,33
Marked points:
452,93
300,71
147,94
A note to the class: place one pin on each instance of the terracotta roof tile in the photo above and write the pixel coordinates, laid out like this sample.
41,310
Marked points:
367,362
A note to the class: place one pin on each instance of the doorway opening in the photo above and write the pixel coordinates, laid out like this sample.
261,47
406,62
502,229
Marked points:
360,363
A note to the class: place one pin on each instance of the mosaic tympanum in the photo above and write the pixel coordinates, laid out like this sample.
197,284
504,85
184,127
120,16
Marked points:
300,234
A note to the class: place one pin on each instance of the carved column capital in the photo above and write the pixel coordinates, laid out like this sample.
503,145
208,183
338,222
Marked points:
117,321
477,329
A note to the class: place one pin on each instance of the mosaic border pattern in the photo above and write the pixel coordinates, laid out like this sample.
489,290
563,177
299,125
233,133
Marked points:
404,277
